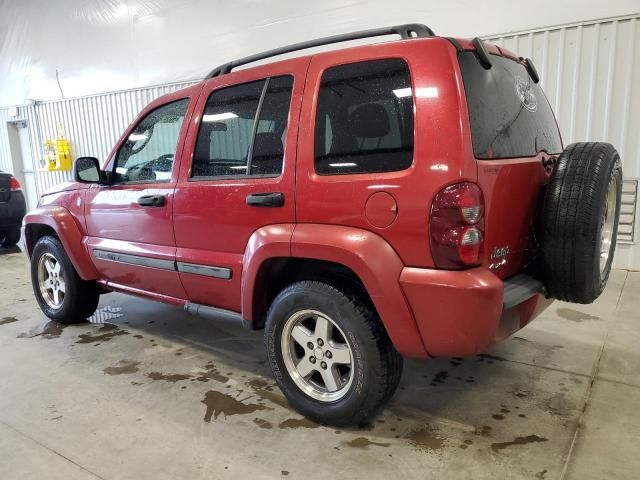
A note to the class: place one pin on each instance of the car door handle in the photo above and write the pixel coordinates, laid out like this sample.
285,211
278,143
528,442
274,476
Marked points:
273,199
151,200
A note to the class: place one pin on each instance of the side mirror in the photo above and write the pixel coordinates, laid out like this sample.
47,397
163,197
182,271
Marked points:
87,170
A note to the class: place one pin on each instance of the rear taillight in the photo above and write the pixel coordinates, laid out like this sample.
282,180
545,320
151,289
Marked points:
456,226
14,184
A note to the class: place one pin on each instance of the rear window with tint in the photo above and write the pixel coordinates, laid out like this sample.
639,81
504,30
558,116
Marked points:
364,119
509,113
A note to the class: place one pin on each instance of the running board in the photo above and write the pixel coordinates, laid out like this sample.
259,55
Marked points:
213,313
520,288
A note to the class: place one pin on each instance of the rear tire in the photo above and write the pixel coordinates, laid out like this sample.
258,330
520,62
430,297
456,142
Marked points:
580,219
62,295
11,237
359,389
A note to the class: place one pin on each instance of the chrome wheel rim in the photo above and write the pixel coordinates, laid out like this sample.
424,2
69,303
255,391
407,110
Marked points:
317,355
51,282
607,225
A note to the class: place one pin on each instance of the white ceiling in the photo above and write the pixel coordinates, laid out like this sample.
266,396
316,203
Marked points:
105,45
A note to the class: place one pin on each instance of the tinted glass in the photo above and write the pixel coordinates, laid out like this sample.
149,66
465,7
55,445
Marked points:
149,152
225,131
226,137
509,113
364,119
268,146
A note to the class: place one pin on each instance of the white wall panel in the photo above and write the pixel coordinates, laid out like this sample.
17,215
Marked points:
591,74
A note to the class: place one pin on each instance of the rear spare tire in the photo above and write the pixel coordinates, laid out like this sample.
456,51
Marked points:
580,221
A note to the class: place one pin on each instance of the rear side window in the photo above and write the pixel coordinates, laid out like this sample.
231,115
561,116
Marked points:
509,113
243,130
364,119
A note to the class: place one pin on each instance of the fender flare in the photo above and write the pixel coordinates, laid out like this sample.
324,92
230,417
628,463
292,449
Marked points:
69,233
272,241
367,254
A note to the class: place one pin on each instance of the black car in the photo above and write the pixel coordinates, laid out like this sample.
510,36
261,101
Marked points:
12,209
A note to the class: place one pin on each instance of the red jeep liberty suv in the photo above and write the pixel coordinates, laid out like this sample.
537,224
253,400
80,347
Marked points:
404,199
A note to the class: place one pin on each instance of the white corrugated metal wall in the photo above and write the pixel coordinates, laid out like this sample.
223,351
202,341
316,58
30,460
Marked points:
591,73
588,70
92,125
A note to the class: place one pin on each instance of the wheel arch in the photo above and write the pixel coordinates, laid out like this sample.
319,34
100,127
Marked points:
357,258
58,222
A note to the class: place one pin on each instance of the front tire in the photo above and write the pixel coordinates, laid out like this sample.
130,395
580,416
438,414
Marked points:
62,295
330,354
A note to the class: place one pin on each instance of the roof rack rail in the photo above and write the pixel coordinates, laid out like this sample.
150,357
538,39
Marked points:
411,30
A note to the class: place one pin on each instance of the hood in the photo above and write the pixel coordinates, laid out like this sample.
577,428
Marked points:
66,187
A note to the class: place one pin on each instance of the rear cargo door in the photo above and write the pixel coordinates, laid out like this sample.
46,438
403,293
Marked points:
514,134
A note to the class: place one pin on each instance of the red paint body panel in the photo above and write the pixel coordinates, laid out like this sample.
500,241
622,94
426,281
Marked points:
266,243
377,265
513,193
426,312
442,149
460,313
112,213
68,231
153,280
212,221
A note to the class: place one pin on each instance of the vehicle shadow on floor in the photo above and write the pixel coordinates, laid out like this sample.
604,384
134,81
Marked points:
9,250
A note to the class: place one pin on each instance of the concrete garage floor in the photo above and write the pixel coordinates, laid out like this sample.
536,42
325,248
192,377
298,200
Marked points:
152,393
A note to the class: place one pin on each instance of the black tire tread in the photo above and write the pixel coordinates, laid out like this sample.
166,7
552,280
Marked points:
83,296
389,361
572,206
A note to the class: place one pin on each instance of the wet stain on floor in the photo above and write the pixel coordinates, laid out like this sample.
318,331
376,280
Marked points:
425,438
218,402
264,390
6,320
211,373
105,333
363,442
168,377
298,423
122,368
483,431
518,441
559,405
49,330
262,423
575,315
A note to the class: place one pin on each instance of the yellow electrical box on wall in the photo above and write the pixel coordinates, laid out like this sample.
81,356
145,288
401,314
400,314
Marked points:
57,154
63,154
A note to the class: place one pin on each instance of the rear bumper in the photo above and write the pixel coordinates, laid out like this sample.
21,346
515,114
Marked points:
462,313
13,211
